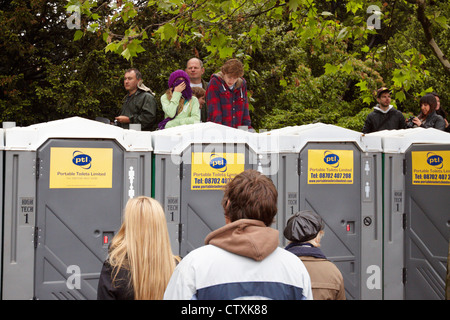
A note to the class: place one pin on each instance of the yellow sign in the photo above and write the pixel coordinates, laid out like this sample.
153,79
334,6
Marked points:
330,167
81,168
431,168
212,171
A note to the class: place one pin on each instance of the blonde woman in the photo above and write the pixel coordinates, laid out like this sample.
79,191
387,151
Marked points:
140,261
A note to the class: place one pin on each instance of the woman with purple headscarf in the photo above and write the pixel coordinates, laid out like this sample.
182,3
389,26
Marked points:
179,105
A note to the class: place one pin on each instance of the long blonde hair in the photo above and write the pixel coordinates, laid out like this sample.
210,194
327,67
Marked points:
169,93
142,246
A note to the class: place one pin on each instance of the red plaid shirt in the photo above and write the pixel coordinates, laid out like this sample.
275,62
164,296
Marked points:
225,106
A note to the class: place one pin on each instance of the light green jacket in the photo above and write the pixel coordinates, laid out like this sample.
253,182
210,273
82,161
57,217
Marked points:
189,115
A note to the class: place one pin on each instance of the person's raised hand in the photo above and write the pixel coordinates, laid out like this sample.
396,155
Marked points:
180,87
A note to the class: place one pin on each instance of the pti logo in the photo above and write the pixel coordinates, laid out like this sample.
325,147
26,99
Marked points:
218,163
331,159
435,160
82,160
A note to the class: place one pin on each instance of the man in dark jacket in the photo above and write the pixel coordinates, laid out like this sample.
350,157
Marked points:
139,105
384,116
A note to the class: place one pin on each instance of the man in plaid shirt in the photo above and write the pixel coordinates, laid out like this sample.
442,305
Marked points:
226,96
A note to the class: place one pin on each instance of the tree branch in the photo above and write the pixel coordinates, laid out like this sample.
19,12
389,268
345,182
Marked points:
426,25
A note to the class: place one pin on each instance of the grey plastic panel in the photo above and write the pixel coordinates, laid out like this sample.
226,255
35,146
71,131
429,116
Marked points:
393,232
340,207
167,191
427,208
18,243
72,223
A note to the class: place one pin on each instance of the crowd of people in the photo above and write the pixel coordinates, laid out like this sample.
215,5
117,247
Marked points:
190,99
240,260
386,117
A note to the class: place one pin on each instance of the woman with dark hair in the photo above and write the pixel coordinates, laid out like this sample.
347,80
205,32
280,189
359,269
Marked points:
440,111
428,118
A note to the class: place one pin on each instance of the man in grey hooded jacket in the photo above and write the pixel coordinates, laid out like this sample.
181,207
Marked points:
242,259
384,116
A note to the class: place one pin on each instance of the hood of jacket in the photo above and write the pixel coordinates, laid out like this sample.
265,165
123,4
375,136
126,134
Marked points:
377,108
237,85
245,237
143,87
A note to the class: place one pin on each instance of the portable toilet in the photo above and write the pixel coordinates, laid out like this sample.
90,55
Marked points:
192,164
2,170
416,173
66,184
336,173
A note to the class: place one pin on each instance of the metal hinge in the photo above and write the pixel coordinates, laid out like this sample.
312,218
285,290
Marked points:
37,167
404,167
299,163
404,276
180,232
181,171
404,221
36,237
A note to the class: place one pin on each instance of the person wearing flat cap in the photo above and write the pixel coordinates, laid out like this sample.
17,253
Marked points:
384,116
304,230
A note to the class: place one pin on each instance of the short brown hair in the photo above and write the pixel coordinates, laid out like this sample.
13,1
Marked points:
136,71
233,67
198,92
250,195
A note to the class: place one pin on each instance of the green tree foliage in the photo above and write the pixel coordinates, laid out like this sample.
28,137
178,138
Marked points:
45,75
305,60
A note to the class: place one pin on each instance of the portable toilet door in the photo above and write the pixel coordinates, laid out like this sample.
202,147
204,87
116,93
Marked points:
73,185
427,220
76,215
192,165
334,172
338,201
416,212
